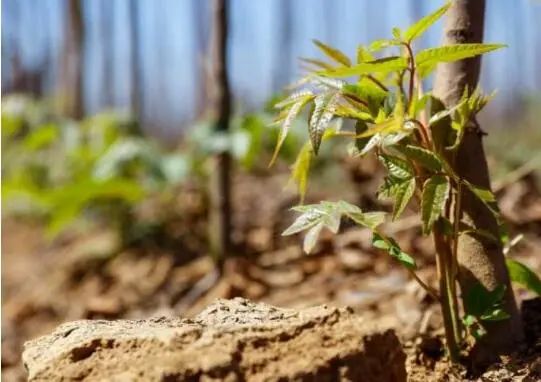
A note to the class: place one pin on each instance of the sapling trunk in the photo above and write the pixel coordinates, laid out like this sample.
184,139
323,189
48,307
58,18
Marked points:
480,260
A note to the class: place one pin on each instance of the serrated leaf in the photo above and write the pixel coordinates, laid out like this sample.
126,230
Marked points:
330,83
423,24
424,157
293,98
382,65
368,93
301,168
391,125
320,118
368,219
333,53
291,115
524,276
445,113
402,197
307,220
397,168
435,193
310,239
452,53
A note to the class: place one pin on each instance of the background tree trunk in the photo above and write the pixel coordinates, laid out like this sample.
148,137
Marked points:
73,62
220,104
108,51
480,260
135,72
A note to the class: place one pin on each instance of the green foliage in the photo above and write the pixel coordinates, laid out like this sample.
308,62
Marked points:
482,305
314,217
435,193
392,247
62,170
417,29
523,276
414,144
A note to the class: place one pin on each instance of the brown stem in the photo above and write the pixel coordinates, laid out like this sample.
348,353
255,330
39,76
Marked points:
431,291
449,306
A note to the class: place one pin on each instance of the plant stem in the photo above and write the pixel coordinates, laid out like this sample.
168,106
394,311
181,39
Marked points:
412,73
425,286
448,299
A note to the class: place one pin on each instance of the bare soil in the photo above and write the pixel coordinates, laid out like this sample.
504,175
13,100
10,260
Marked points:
79,276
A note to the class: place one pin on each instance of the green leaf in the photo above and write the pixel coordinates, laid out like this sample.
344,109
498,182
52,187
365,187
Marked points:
397,33
452,53
291,115
381,44
301,168
392,247
310,239
417,29
402,197
397,168
524,276
497,314
364,55
484,304
435,193
424,157
317,63
310,217
382,65
333,53
484,195
419,104
368,219
320,118
445,113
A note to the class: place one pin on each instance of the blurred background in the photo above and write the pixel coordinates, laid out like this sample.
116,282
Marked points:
158,50
109,148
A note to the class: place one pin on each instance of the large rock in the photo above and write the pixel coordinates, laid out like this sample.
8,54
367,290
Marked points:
231,340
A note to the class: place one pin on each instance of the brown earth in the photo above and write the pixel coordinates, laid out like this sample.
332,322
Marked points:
79,276
231,340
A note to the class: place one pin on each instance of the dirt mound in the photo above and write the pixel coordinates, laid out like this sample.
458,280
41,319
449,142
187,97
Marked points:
231,340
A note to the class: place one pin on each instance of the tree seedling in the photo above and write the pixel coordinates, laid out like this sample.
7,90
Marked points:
397,121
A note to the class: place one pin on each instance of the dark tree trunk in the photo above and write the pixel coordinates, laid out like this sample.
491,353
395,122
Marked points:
107,18
480,260
135,72
220,104
73,62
